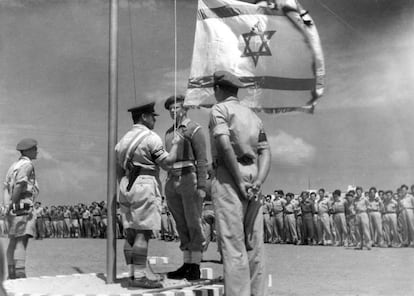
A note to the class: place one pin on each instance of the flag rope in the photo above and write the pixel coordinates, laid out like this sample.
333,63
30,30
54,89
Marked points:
175,64
131,41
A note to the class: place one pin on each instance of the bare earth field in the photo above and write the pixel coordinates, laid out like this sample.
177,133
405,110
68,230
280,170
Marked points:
295,270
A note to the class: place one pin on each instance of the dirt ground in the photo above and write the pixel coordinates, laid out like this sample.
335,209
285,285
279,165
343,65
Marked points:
295,270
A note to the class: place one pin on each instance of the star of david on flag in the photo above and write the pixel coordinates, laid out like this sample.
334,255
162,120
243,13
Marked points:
275,51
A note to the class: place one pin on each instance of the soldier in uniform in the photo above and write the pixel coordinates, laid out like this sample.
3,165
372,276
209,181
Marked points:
308,210
185,188
38,213
21,190
241,157
350,219
277,217
375,208
392,235
323,208
267,225
140,153
290,220
362,220
406,204
338,212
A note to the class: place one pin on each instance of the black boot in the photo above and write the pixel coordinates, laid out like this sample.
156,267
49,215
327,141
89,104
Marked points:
180,273
12,272
193,272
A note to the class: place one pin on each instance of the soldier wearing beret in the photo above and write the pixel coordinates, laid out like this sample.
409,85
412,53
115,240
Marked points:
140,154
241,156
185,188
21,190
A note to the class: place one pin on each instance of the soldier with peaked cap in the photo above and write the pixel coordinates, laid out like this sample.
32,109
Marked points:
21,190
241,157
185,188
140,154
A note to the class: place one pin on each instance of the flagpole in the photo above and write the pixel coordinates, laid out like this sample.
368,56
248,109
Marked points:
112,139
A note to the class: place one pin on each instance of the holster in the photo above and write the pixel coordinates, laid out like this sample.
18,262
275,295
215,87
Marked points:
132,176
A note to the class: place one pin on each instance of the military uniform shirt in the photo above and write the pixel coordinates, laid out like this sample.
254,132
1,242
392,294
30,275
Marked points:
361,204
233,119
193,147
407,202
338,206
148,153
391,206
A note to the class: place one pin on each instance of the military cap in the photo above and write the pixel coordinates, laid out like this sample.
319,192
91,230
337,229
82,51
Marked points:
227,79
26,144
143,109
173,99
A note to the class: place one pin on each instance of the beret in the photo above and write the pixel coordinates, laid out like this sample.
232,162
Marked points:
226,78
171,100
26,144
146,108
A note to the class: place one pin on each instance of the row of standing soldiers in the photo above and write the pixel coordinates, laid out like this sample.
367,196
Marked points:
383,219
79,221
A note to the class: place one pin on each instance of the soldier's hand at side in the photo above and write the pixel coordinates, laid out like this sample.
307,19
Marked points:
201,193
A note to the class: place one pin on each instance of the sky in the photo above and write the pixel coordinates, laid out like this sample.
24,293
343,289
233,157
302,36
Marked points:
54,87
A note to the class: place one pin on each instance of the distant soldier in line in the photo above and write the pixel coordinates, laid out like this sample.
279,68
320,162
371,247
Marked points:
21,190
308,210
317,231
290,219
323,208
267,224
406,204
375,208
298,216
185,187
47,221
338,212
351,219
390,224
38,212
140,153
278,224
67,222
74,216
362,220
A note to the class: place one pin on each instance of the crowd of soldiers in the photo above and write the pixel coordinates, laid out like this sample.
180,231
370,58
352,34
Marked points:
375,218
63,221
84,221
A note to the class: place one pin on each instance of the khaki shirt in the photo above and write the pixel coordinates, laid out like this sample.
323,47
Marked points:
338,206
407,202
278,205
390,206
361,204
242,125
148,153
21,172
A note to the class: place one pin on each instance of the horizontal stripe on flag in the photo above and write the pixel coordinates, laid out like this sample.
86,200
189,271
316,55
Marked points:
267,82
236,10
